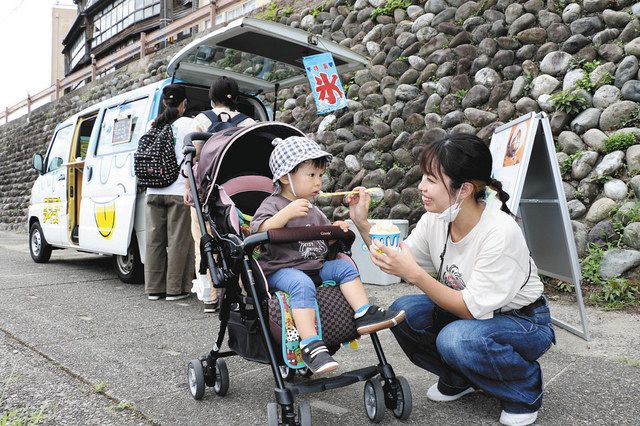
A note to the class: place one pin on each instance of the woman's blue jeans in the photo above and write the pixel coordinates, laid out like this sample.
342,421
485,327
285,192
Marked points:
497,355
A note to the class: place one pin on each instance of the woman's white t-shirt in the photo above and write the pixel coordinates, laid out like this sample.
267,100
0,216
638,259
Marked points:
202,122
181,127
489,265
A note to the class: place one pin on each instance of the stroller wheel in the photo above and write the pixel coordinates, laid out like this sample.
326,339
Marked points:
305,372
404,401
272,414
304,413
195,377
287,373
221,385
374,400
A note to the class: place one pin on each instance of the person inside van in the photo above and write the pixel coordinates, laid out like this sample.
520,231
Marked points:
168,268
223,94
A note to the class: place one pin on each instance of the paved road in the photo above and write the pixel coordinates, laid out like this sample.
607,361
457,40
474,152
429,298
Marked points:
70,327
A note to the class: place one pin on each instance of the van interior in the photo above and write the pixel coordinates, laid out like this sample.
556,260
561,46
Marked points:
79,147
198,101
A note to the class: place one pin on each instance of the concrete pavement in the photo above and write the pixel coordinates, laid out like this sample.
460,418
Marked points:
70,328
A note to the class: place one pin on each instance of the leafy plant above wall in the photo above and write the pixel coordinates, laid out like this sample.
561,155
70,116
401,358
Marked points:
569,102
389,7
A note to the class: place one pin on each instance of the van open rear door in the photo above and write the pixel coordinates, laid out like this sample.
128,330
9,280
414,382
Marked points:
259,55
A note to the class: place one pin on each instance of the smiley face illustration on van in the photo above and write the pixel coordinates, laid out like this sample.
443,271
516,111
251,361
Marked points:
86,196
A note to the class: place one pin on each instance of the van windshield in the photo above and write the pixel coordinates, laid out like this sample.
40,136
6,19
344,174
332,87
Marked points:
244,63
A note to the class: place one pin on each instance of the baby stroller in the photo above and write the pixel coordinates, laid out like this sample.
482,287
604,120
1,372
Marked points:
230,181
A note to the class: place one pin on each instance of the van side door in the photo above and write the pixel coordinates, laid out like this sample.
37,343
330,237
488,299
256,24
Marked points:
109,185
53,188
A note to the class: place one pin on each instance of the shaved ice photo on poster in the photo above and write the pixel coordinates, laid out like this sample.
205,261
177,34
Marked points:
516,144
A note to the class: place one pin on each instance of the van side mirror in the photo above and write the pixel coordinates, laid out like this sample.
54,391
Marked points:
38,163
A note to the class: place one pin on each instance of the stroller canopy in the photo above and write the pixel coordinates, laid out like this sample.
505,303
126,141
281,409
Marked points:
239,152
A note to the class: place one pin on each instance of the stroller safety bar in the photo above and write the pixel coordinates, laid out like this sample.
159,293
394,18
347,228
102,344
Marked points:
303,233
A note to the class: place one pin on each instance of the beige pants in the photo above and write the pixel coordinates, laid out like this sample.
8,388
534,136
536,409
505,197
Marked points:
195,232
169,251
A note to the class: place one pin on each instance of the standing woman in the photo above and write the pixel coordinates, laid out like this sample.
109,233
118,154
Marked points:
480,321
168,268
223,94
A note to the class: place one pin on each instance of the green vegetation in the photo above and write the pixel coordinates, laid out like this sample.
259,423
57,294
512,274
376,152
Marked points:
585,83
591,263
568,163
590,65
389,7
616,293
569,102
619,141
565,287
633,119
460,94
314,12
123,405
270,13
23,417
528,85
100,388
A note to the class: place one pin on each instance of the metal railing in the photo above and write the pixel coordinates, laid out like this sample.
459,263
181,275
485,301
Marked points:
146,44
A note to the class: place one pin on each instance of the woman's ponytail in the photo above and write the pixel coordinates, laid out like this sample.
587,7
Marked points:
502,195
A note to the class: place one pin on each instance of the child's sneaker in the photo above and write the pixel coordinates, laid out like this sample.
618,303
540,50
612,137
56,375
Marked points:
376,319
316,356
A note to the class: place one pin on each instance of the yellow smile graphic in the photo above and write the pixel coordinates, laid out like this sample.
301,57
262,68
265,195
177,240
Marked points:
105,214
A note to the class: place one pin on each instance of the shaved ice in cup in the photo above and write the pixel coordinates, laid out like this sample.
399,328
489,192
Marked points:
387,233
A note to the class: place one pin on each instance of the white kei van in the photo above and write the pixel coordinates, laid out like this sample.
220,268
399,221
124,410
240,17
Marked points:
86,196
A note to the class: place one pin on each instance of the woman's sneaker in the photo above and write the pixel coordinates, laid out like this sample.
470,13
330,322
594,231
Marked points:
434,393
211,307
376,319
316,356
511,419
180,296
156,296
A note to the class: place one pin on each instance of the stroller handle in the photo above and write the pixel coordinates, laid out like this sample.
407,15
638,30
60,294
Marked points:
187,142
302,233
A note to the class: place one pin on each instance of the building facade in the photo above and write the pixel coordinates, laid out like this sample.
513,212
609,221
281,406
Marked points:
62,17
105,26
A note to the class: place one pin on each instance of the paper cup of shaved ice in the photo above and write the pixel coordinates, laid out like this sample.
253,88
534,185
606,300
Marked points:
387,233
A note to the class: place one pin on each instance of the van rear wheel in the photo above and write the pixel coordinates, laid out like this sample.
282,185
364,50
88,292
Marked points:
129,267
38,247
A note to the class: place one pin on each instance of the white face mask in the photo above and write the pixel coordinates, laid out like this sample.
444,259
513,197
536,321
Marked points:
450,213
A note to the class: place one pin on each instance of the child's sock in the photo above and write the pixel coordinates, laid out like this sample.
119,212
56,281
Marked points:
305,342
361,310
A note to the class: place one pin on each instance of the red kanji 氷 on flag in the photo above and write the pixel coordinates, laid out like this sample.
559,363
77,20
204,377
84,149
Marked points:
326,88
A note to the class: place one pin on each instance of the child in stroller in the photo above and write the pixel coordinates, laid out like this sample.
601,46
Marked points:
297,164
233,178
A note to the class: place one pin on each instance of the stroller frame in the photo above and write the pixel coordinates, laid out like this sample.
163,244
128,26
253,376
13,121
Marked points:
386,391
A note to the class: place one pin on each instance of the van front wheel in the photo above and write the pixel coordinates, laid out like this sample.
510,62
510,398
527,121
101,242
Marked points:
129,267
38,247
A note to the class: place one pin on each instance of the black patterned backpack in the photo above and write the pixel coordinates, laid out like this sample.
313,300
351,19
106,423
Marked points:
154,161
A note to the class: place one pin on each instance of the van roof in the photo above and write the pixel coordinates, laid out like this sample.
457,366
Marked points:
116,100
257,54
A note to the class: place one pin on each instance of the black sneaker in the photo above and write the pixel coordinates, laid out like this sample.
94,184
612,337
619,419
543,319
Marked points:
211,308
156,296
316,356
183,295
376,319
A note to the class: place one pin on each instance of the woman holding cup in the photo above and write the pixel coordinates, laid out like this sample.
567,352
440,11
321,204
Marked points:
480,322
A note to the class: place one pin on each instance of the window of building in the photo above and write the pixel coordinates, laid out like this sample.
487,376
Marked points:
120,15
77,51
239,11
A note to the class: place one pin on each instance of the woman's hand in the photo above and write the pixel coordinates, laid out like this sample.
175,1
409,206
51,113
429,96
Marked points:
359,205
400,263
